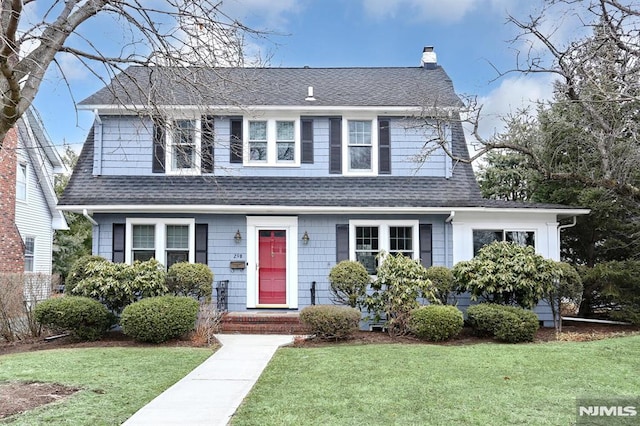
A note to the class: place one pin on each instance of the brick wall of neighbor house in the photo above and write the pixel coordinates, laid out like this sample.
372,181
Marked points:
11,248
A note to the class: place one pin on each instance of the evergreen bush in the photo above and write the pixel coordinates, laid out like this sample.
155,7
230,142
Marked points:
436,322
158,319
83,317
190,279
329,321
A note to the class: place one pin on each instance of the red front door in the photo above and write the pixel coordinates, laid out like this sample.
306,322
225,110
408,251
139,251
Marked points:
272,272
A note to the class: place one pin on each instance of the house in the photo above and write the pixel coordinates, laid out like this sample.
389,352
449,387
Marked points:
272,175
28,213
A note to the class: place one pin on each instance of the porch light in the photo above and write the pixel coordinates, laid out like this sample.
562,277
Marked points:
305,238
237,237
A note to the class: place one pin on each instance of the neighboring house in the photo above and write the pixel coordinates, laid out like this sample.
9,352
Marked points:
272,175
29,214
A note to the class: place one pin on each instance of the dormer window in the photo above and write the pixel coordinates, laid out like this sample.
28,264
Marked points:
272,142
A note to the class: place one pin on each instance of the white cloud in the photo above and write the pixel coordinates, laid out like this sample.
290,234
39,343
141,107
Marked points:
271,13
513,94
433,10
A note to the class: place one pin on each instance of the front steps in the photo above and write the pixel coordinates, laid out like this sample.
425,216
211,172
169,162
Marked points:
261,323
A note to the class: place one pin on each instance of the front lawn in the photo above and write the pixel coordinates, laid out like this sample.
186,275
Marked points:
114,382
484,384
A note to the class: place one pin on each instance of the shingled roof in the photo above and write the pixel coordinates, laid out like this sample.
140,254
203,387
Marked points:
401,87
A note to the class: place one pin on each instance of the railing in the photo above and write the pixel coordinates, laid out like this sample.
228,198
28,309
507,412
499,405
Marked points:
222,288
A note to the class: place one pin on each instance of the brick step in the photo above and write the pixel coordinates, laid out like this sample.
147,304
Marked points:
261,323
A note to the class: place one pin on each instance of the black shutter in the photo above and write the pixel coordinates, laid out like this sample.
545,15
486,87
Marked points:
335,145
117,243
159,142
307,140
235,144
202,236
342,242
426,255
206,158
384,147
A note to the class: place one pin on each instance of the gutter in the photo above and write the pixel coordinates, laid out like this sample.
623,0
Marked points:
85,213
451,216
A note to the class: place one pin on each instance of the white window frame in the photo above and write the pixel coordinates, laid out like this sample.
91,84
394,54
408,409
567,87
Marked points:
272,146
346,163
384,235
504,234
196,169
32,256
20,182
160,236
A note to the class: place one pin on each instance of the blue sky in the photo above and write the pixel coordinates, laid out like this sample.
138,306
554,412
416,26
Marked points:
470,38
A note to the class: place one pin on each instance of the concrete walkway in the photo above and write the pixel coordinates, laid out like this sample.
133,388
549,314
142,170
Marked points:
212,392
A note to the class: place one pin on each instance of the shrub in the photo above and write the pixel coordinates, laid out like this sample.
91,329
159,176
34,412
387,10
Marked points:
158,319
118,285
565,288
85,318
348,283
436,322
506,273
330,322
401,281
443,282
79,271
507,323
190,279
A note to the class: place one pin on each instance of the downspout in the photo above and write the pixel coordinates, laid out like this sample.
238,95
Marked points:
447,248
569,225
85,213
95,232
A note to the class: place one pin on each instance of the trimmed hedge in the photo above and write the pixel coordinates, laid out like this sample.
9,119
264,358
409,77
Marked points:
329,321
436,322
506,323
190,279
158,319
348,283
85,318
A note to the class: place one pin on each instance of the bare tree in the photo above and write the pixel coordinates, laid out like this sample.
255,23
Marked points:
597,89
35,35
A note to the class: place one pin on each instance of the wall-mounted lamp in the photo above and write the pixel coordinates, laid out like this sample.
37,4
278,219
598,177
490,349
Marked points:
237,237
305,238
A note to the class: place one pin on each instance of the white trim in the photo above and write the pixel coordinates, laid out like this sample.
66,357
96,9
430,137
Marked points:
288,224
160,236
226,209
346,165
302,109
197,140
272,150
383,236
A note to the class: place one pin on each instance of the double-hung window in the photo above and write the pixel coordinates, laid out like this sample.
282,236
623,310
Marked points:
21,182
167,240
369,238
29,254
360,145
183,139
482,237
272,142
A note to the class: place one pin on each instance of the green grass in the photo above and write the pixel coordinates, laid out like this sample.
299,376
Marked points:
115,382
485,384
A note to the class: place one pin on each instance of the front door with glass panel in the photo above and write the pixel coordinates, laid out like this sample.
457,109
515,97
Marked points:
272,270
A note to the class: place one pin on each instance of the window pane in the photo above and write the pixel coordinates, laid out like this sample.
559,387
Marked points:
177,237
367,246
285,130
257,130
184,157
184,149
144,236
184,132
482,237
359,132
400,240
286,151
176,257
523,238
29,251
258,151
21,182
144,255
360,157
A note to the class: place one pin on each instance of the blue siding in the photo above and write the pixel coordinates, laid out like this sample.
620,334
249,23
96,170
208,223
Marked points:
124,147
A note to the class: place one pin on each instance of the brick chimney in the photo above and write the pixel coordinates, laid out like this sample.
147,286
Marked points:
429,58
11,247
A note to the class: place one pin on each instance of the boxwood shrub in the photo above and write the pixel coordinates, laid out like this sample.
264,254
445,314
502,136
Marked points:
436,322
507,323
85,318
158,319
329,321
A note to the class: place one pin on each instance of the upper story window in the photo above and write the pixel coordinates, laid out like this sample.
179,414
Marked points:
183,141
483,237
21,182
29,254
273,142
360,143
